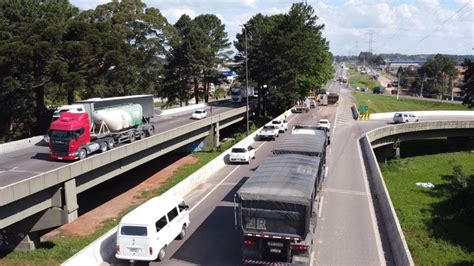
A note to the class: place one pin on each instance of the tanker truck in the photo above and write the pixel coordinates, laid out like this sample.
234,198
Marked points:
105,123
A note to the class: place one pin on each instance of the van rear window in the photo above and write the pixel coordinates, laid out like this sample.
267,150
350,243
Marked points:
133,231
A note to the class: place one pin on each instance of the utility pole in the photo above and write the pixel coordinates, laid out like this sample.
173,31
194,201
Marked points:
451,86
398,85
422,81
246,81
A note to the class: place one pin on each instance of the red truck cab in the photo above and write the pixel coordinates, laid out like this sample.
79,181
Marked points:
68,135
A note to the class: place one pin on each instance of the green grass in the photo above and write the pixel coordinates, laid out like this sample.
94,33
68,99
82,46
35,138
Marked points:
362,81
380,103
433,234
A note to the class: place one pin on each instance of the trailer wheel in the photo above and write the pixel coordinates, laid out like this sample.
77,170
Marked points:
103,146
110,143
149,131
142,135
161,254
82,154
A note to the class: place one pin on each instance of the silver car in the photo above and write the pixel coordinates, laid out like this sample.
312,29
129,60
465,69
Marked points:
404,118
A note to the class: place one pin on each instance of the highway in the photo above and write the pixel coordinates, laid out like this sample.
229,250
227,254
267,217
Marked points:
23,164
347,231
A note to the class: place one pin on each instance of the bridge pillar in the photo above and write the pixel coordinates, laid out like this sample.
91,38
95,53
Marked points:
70,200
212,140
387,152
29,242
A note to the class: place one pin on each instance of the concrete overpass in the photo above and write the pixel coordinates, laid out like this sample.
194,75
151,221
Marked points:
49,199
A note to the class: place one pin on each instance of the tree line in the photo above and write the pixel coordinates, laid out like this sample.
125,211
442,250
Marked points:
52,53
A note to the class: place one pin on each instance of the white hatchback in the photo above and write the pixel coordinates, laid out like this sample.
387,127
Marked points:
199,114
324,123
242,154
404,118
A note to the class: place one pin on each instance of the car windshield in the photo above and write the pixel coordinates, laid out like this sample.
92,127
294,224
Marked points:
323,122
199,112
277,122
238,150
268,127
398,115
60,134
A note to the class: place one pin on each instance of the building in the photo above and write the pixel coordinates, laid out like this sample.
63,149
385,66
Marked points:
393,66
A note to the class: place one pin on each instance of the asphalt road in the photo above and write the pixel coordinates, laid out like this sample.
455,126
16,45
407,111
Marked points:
347,232
22,164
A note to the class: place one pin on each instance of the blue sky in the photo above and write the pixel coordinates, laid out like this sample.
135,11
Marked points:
407,27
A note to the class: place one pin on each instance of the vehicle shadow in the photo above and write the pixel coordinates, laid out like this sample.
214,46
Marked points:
217,238
42,157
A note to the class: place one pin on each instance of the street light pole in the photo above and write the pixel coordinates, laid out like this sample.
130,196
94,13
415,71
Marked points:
246,81
398,85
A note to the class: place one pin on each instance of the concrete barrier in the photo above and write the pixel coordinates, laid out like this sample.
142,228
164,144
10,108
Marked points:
18,145
355,112
104,247
398,245
183,109
420,114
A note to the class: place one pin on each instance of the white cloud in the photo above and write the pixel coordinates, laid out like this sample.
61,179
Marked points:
172,15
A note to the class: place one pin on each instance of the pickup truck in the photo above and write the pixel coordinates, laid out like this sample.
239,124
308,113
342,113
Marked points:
282,125
269,131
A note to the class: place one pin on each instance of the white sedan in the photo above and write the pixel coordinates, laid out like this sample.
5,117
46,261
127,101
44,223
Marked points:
199,114
324,123
242,154
282,125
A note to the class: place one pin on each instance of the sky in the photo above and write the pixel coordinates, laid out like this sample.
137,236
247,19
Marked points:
351,26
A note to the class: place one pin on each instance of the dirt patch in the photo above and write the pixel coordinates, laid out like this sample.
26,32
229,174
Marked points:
89,222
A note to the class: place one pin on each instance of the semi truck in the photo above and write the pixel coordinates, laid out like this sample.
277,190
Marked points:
238,95
276,208
104,123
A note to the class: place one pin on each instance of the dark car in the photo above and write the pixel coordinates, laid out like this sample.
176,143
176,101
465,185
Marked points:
378,90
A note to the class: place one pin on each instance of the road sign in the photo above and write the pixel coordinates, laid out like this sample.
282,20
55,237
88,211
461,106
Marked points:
364,107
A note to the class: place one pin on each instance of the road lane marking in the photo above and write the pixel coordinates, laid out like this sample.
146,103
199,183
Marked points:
344,191
213,189
321,207
371,209
220,183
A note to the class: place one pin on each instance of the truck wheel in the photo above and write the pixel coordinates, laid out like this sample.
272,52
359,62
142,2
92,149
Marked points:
161,254
142,135
110,143
103,146
82,154
132,137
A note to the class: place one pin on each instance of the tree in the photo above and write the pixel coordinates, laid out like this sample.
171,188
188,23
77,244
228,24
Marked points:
217,40
31,43
439,71
468,80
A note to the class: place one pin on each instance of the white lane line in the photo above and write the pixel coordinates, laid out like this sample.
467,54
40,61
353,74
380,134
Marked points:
213,189
321,204
371,209
335,121
220,183
311,261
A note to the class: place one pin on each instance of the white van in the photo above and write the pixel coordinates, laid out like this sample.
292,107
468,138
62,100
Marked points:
144,233
404,117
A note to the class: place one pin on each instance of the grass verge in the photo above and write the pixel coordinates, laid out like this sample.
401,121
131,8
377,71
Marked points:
362,81
434,233
64,246
380,103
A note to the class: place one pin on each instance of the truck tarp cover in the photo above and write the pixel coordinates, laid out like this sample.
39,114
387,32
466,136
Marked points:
278,195
312,145
286,178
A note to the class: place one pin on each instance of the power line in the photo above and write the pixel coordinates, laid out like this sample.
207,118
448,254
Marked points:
444,23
